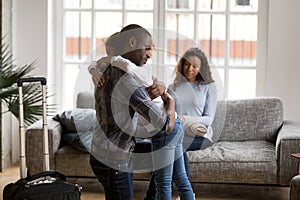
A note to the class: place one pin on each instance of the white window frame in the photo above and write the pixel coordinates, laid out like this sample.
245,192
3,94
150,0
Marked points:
159,22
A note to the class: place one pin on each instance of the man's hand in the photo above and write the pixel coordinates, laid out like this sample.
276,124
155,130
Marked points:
156,89
170,110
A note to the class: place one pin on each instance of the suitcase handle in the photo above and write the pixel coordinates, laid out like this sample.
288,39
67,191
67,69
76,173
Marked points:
32,79
43,82
51,173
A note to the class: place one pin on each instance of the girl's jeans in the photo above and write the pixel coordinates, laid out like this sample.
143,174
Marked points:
167,159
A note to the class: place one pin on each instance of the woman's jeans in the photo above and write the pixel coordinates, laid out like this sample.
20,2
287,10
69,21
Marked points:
193,144
167,159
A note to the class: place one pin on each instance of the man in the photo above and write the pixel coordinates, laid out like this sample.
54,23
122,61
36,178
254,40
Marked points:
117,103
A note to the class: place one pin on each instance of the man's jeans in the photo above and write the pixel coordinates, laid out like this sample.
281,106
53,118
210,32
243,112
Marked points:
167,159
118,185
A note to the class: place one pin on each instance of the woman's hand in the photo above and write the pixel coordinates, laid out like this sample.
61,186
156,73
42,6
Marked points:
156,89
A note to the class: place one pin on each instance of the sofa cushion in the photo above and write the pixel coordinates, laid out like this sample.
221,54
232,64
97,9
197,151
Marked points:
235,162
246,151
248,119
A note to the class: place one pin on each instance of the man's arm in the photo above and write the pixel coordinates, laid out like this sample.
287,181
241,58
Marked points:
157,89
142,103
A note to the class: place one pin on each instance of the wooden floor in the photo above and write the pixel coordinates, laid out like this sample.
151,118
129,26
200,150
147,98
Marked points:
92,190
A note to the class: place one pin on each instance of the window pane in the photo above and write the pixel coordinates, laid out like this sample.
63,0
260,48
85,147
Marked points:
244,5
243,39
215,5
242,83
78,3
143,19
138,4
168,73
181,4
112,25
70,73
108,4
211,35
176,45
179,35
218,76
181,23
78,35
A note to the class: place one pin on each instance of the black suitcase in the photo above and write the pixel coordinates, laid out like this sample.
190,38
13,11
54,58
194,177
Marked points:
47,185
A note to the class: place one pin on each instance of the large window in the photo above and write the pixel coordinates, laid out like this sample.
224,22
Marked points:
229,31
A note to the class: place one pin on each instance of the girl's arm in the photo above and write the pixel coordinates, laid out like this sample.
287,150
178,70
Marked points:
123,63
143,74
94,71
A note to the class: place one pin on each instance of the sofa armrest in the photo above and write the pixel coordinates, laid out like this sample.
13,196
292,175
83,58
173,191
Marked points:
295,188
34,145
287,143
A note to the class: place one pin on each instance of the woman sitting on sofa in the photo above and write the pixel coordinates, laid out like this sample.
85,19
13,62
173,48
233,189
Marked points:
195,93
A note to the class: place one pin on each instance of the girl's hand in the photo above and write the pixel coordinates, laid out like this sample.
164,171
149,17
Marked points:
101,81
96,76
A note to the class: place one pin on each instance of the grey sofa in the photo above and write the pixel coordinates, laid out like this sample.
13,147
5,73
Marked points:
252,145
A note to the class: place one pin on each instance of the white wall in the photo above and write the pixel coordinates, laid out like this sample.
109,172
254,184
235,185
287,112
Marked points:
9,135
30,33
283,68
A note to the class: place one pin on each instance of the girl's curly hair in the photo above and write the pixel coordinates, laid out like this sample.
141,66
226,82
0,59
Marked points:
204,75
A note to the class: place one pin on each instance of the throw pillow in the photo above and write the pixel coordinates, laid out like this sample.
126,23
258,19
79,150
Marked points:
77,120
78,126
73,139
